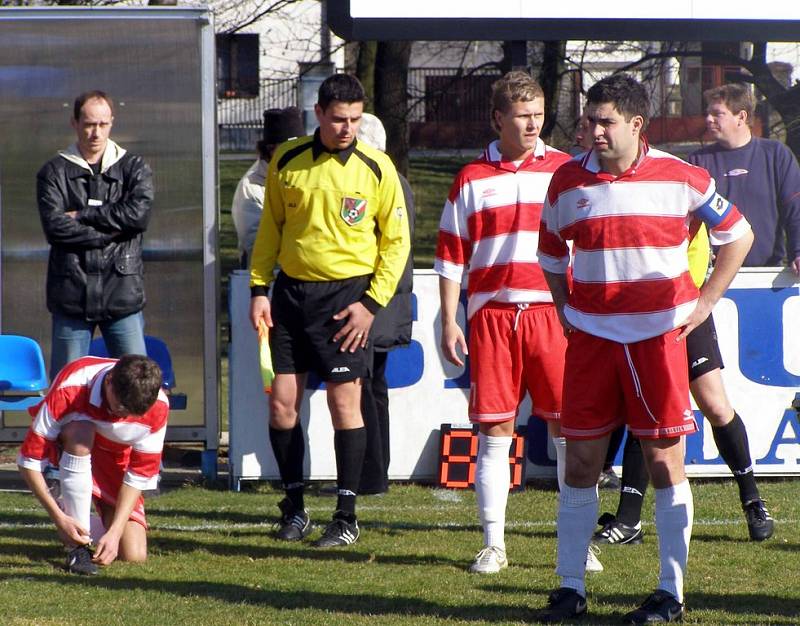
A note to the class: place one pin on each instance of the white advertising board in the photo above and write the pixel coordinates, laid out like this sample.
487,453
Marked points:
577,9
758,323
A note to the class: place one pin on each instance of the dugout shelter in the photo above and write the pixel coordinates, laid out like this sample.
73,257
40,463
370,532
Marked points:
157,64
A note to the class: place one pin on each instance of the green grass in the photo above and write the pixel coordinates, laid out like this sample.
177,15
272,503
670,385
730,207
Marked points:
430,180
213,561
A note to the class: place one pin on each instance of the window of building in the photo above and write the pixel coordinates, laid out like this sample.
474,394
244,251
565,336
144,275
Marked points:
237,65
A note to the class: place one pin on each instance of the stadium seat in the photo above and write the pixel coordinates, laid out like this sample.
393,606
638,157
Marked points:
159,352
23,378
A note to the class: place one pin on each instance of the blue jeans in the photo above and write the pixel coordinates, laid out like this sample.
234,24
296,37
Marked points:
72,336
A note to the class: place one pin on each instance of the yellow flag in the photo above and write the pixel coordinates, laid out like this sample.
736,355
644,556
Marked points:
265,356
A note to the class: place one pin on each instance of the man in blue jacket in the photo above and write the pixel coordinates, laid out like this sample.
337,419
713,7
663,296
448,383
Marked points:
760,176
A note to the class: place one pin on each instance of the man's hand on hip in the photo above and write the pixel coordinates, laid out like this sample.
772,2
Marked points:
356,331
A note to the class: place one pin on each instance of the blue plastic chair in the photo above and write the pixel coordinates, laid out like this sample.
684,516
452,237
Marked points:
23,378
158,351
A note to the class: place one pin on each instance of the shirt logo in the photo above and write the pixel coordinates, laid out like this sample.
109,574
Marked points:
739,171
488,192
583,203
719,204
699,361
340,370
353,210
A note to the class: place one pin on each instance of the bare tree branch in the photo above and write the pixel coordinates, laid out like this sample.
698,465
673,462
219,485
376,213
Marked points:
277,5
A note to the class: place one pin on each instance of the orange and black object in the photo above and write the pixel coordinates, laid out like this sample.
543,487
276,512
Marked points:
458,457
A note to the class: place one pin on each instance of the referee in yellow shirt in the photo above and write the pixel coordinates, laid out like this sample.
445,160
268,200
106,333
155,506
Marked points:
334,220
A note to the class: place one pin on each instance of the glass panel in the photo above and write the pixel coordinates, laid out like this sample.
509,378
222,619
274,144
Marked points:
151,68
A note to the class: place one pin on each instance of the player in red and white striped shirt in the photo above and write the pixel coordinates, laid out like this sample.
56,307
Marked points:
103,422
489,230
627,208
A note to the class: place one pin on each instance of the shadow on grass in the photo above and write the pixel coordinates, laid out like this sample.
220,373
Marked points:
281,550
702,534
168,515
362,604
780,610
786,547
766,608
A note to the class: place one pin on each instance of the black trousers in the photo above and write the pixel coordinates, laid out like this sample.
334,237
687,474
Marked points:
375,410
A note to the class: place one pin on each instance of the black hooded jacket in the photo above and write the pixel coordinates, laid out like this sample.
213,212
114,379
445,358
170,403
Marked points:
95,270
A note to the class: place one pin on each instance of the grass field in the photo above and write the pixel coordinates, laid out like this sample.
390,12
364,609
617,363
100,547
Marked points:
213,561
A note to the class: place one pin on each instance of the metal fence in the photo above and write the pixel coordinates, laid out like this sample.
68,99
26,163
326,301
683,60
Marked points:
445,106
448,94
240,120
449,107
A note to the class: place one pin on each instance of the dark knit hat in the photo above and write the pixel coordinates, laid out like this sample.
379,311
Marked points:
282,124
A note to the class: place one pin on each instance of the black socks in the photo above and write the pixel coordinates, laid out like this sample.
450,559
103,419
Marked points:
289,448
349,446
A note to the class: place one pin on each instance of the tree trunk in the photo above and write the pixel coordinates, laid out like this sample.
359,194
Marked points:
785,101
550,73
365,71
391,98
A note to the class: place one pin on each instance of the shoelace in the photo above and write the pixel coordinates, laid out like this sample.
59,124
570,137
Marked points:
336,529
653,600
484,557
758,512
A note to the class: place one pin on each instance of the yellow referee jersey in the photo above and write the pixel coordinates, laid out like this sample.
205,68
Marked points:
331,216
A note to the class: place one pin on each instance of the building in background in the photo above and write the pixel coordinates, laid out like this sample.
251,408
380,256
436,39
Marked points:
276,58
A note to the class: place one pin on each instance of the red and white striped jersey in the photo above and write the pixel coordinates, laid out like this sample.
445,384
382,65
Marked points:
76,394
630,233
490,224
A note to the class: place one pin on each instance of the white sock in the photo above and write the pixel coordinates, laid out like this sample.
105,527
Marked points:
674,518
560,444
492,480
76,487
577,515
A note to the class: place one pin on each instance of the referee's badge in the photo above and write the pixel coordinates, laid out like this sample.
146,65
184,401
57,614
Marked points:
353,210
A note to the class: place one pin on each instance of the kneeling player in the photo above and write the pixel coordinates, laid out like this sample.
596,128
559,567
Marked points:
103,421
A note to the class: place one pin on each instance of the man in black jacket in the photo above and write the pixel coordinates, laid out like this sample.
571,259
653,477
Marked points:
94,202
390,329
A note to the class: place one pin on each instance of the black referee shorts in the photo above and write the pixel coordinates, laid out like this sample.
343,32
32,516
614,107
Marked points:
301,339
702,349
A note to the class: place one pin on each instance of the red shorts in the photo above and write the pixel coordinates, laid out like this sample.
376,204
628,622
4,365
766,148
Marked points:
514,349
108,470
644,385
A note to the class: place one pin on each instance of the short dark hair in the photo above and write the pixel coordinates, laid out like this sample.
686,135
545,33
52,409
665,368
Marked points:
136,381
95,94
341,88
736,96
627,94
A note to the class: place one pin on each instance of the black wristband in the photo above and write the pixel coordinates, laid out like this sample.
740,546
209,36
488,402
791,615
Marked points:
370,304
